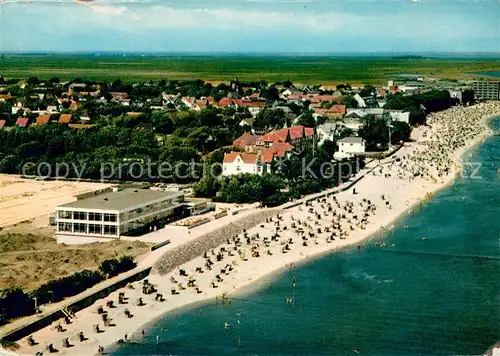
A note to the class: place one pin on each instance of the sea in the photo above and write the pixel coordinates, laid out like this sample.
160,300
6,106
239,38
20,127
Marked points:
430,287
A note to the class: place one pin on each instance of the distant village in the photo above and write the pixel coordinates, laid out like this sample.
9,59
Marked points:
265,121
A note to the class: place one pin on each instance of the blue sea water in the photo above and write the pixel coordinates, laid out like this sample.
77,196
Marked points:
488,74
439,296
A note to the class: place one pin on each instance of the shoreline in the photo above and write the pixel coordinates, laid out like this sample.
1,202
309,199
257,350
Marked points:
239,281
255,284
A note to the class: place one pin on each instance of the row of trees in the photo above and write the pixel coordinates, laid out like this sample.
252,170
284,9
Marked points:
15,303
420,104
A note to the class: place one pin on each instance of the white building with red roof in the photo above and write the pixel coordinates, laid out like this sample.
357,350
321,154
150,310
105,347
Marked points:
261,151
241,163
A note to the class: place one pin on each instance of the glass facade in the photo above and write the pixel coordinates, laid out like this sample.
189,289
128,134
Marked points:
110,224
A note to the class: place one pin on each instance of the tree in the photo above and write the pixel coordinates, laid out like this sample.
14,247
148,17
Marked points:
207,186
270,118
162,123
348,101
467,96
366,91
375,132
14,303
307,119
117,84
271,93
54,80
401,131
287,84
329,147
32,81
10,164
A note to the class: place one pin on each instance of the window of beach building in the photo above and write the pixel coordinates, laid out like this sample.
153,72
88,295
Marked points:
79,215
80,228
64,214
64,227
95,229
109,217
95,216
109,230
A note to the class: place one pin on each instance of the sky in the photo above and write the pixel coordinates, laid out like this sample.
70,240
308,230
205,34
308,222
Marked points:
250,26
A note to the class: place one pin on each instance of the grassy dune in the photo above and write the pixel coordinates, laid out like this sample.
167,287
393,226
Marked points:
325,70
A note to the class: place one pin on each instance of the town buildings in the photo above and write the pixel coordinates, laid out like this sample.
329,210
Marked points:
350,147
260,151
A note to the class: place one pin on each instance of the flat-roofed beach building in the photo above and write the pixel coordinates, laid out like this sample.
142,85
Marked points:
113,214
486,90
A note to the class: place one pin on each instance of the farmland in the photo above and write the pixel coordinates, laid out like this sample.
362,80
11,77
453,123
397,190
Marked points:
305,69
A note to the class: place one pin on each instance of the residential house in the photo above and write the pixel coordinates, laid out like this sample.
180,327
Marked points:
328,131
5,97
2,123
335,112
247,122
65,119
350,147
73,106
400,116
85,118
42,119
298,136
247,141
456,94
395,115
354,122
225,102
361,102
188,101
256,162
261,151
323,99
241,163
22,122
254,111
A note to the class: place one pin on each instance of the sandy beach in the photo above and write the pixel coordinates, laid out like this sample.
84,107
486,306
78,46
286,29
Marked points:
398,186
26,200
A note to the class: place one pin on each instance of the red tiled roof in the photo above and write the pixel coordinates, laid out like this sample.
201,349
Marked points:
250,158
65,119
6,96
22,121
225,102
278,149
281,135
320,111
247,139
189,99
2,124
119,95
73,105
337,109
43,119
323,98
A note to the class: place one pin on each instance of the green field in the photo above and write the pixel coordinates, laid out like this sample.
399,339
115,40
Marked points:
314,70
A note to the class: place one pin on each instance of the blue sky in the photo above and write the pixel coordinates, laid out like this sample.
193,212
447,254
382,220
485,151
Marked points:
301,26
